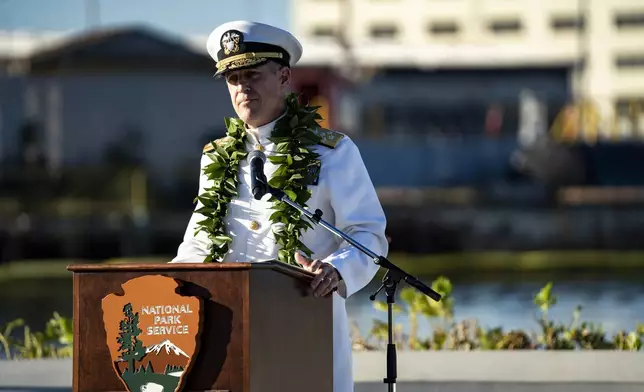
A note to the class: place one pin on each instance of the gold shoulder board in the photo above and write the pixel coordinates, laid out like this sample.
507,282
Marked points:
209,147
329,138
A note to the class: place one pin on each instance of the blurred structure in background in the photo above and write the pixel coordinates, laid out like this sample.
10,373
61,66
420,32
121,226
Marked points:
492,124
486,124
472,54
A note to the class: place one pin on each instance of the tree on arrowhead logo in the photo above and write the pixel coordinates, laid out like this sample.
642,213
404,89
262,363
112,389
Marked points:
152,333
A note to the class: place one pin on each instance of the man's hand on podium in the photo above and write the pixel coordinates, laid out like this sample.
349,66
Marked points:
327,276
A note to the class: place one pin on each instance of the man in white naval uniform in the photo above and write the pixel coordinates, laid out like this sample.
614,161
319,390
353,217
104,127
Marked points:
344,192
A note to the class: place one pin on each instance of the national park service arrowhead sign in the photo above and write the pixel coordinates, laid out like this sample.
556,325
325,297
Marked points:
152,333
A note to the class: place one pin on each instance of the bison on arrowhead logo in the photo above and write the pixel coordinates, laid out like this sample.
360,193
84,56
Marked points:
152,333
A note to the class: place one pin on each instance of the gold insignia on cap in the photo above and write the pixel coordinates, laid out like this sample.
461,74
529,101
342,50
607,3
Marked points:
254,225
246,60
230,41
328,138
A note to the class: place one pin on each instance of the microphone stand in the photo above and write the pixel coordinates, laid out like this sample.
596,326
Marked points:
390,281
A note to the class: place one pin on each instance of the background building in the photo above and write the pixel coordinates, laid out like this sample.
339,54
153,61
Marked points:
113,94
584,49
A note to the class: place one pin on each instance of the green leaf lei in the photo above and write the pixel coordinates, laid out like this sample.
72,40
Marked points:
293,135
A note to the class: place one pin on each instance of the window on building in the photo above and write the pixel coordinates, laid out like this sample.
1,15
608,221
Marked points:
323,32
568,23
505,26
630,61
383,32
629,20
629,113
443,28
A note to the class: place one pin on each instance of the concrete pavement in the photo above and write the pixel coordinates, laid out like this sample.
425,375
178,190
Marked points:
493,371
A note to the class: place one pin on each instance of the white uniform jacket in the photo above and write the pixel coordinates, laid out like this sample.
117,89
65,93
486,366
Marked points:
347,198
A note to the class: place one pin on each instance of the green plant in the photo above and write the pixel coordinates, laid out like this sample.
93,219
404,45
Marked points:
54,342
416,305
631,341
551,336
558,336
5,336
468,335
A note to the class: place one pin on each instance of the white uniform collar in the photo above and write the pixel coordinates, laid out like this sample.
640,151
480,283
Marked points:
261,134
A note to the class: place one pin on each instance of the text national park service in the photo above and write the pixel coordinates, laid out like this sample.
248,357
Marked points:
167,319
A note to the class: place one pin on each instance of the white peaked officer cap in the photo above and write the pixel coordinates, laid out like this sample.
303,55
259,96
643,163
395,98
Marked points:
245,44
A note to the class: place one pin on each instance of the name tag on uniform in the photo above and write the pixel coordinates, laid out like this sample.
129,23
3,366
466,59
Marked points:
314,172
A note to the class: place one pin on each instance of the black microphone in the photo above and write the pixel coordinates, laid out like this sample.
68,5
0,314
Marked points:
257,178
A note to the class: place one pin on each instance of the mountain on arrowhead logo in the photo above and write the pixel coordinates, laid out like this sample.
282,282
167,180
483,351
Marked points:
152,333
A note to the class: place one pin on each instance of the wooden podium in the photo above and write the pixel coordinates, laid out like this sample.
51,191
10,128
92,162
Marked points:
259,330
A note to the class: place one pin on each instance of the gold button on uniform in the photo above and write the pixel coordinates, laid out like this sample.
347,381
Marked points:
254,225
259,147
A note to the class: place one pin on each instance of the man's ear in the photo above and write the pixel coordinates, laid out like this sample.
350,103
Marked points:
285,76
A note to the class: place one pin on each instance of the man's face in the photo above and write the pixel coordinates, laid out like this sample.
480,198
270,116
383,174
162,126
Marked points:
257,93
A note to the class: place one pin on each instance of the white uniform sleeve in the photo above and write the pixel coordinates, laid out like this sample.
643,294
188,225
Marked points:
194,249
358,214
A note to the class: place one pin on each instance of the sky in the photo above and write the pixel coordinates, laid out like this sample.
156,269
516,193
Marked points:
175,16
